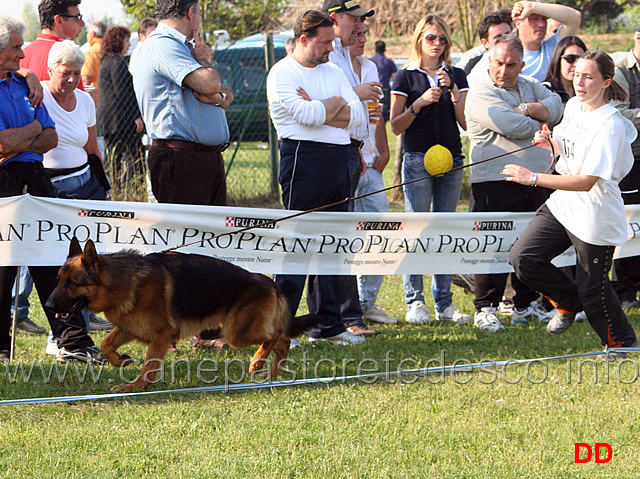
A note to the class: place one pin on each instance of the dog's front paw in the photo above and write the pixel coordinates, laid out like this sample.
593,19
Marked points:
126,387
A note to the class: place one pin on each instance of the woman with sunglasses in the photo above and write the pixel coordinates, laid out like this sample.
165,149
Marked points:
586,212
427,104
559,77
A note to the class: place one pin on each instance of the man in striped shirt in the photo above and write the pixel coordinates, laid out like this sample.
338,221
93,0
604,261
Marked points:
182,102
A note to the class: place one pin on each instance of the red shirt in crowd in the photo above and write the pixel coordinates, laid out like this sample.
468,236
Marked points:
36,56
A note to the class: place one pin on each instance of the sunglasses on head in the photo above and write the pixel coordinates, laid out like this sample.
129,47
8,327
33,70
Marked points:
570,58
431,38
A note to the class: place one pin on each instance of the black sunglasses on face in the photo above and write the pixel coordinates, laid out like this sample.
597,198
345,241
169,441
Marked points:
77,17
570,58
431,38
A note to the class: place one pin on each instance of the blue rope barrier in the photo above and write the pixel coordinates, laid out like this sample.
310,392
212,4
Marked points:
323,380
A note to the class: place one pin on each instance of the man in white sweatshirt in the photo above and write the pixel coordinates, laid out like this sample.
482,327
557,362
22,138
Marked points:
313,107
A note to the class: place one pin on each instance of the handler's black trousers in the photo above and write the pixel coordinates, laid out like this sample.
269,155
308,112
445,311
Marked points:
314,174
70,334
544,239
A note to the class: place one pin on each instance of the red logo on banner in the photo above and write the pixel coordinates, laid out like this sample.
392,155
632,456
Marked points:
83,212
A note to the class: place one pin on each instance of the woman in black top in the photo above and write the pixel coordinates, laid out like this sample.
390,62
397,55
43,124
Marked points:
427,104
119,119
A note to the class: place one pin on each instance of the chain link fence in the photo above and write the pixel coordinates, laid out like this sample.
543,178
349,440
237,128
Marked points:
251,161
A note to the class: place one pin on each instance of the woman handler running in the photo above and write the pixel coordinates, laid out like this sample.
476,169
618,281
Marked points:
586,211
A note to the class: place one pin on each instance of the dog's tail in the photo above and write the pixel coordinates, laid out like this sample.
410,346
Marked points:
300,324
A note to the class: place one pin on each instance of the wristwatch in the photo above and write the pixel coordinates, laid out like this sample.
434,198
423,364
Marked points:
413,111
534,179
524,109
224,97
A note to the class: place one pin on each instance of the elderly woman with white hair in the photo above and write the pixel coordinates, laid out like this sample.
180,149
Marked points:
75,165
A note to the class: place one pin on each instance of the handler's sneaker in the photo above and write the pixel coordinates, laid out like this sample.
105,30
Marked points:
451,313
418,313
89,354
560,322
379,315
487,320
613,355
629,304
533,312
343,339
29,327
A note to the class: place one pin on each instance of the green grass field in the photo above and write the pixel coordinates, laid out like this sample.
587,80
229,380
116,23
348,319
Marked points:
513,422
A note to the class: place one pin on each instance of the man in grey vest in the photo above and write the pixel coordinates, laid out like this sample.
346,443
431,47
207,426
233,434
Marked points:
626,271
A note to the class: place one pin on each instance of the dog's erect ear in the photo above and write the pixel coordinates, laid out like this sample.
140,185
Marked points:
89,256
74,248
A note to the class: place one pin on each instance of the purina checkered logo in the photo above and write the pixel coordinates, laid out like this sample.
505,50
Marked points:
237,222
493,226
379,226
123,215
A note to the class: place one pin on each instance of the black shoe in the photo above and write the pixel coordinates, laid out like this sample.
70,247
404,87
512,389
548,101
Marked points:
89,354
4,355
29,327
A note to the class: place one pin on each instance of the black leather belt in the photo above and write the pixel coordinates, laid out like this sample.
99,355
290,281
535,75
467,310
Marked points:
189,145
357,144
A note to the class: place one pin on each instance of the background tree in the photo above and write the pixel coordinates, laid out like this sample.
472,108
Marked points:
238,18
31,21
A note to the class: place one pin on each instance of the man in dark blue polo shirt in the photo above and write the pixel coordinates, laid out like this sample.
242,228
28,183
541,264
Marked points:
26,132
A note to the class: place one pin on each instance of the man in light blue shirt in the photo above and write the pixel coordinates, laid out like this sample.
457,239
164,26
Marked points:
530,19
182,102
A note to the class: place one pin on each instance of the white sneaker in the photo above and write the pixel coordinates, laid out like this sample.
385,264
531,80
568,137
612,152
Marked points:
343,339
451,313
418,313
52,345
486,319
581,316
294,344
533,312
379,315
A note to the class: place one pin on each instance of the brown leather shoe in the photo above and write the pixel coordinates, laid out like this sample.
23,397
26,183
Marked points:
363,331
217,343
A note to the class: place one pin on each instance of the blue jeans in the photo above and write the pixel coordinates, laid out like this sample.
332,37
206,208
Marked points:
438,194
72,184
26,285
369,284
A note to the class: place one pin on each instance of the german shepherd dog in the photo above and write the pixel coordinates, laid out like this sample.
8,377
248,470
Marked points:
162,297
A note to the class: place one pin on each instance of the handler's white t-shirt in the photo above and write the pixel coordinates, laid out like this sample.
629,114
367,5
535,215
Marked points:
72,128
596,143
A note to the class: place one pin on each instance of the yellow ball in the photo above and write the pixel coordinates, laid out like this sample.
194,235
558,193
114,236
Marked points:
438,160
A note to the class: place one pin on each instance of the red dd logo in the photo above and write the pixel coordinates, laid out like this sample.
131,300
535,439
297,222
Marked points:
597,447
